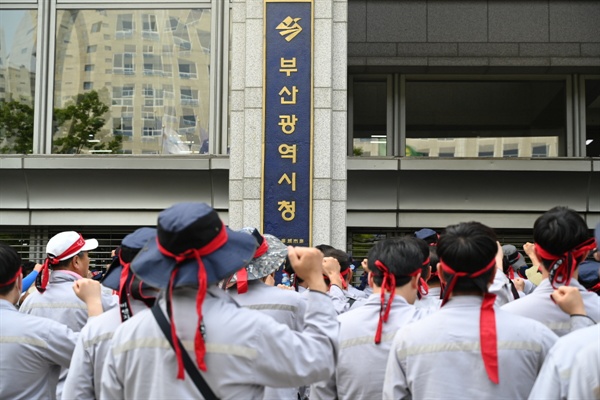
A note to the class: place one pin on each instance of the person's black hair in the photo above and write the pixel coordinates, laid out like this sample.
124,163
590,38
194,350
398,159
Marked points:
433,262
28,267
341,257
401,256
468,247
324,247
10,262
558,231
424,247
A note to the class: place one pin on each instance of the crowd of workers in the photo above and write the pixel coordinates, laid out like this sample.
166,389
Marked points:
189,309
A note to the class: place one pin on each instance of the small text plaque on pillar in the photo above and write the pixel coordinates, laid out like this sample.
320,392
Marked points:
288,121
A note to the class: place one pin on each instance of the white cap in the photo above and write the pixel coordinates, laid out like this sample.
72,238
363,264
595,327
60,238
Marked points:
70,242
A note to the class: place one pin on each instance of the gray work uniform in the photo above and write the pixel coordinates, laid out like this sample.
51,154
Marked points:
553,380
245,350
60,303
361,362
539,306
284,306
585,375
439,357
342,299
431,299
32,351
84,377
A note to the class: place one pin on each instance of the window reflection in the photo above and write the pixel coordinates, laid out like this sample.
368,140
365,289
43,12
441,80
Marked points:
592,117
486,118
146,68
18,42
370,118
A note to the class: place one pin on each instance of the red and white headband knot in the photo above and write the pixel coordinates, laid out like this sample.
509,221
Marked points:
564,265
42,279
388,284
487,317
199,345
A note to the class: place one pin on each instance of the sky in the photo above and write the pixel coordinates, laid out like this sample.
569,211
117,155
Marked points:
9,22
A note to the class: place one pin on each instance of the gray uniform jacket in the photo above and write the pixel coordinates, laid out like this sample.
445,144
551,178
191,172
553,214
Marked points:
32,351
84,377
431,300
245,350
585,375
553,380
539,306
60,304
439,357
361,362
285,306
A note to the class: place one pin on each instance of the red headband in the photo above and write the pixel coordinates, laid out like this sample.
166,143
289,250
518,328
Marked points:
13,279
487,318
562,267
199,345
389,284
124,282
42,279
241,281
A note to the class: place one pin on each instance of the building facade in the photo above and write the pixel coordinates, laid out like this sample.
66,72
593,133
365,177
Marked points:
426,113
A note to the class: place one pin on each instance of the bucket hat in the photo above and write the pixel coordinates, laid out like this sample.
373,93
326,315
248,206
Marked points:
268,258
186,228
130,246
192,247
119,276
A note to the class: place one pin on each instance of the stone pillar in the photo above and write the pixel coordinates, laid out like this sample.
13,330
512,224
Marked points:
329,115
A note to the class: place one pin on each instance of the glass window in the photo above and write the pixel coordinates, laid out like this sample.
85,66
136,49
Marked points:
124,26
370,117
18,42
452,118
146,107
592,117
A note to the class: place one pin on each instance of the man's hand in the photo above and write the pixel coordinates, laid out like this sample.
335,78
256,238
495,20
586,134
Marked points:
89,291
499,256
307,263
332,268
519,284
38,267
569,300
365,264
282,286
269,280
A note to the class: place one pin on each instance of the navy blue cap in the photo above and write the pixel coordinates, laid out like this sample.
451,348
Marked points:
425,233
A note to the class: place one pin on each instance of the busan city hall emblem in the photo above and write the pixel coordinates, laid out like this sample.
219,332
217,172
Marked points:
289,28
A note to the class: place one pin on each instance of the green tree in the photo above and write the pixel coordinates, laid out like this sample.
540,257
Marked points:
86,121
16,128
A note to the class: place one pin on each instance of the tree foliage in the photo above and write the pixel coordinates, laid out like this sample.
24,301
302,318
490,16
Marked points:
16,127
85,120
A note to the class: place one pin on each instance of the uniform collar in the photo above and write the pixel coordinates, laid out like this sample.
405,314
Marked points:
375,298
546,287
60,276
466,301
7,305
